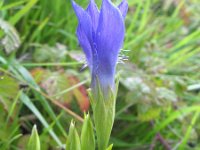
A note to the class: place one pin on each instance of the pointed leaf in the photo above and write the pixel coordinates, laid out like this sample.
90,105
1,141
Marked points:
73,141
110,147
34,141
87,135
104,114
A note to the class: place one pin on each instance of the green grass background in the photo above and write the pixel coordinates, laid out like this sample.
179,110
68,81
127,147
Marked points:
159,91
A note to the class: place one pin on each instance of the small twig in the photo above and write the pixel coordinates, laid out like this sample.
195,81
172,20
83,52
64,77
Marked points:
159,138
153,143
163,141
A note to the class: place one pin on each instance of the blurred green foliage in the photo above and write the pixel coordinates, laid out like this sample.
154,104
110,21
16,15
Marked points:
41,83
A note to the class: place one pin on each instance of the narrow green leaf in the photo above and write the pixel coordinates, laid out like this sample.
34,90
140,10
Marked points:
133,21
34,141
87,135
110,147
39,29
25,99
182,112
189,130
73,141
145,15
1,4
104,114
23,73
12,5
14,19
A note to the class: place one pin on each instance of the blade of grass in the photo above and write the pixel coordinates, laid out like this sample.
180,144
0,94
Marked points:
188,132
145,15
39,29
51,125
134,20
188,39
185,54
50,64
25,99
36,88
13,106
71,88
174,115
14,19
12,5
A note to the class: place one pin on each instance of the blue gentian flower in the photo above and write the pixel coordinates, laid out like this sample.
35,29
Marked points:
101,35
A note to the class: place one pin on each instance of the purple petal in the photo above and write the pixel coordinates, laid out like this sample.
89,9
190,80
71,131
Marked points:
109,40
85,44
93,11
123,7
84,31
